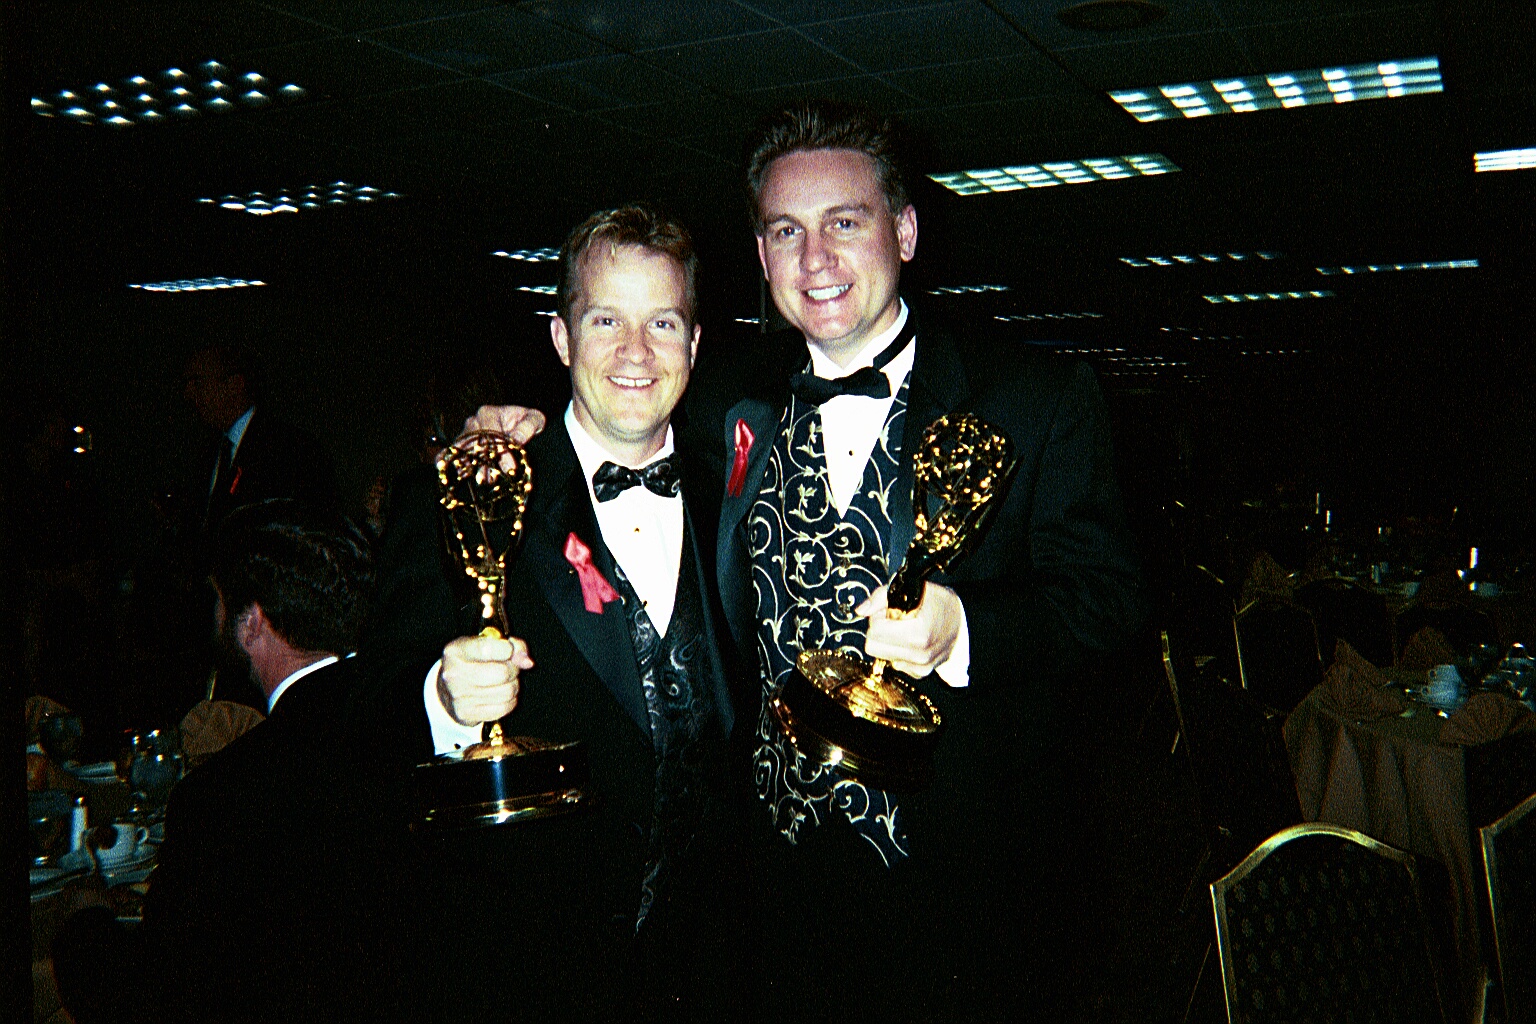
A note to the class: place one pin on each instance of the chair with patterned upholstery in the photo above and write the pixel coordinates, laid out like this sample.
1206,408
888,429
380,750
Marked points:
1509,861
1321,923
1277,653
1344,611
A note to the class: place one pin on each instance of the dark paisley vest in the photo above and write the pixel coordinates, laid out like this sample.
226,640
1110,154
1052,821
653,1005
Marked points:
675,674
811,568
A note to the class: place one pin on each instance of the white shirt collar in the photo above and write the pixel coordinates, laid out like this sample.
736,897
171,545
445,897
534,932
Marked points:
591,454
236,432
282,687
823,366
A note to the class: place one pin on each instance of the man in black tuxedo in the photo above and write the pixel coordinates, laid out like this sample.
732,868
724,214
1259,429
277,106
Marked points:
946,903
253,909
255,455
605,913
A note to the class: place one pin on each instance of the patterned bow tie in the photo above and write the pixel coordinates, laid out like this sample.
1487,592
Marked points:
660,478
869,381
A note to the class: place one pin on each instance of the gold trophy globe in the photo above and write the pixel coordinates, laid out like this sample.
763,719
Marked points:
486,481
866,718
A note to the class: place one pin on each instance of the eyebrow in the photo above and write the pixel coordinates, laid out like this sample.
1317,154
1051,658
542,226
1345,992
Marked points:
833,211
672,310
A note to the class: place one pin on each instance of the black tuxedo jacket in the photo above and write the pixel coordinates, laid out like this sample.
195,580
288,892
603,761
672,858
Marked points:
546,909
275,460
258,908
1053,583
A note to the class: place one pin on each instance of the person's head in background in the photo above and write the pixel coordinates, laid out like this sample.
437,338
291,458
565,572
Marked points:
221,382
293,585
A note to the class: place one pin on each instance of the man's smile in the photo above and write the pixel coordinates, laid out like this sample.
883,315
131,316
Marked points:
828,293
633,382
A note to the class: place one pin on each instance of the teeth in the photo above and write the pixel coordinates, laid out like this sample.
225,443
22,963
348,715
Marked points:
633,382
823,294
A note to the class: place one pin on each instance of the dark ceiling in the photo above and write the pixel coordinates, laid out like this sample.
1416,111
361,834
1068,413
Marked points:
502,124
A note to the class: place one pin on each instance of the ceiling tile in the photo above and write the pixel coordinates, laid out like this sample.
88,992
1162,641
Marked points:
1182,59
366,15
492,41
935,35
1349,39
802,12
615,80
781,57
635,25
998,78
858,89
345,66
686,116
1241,13
1039,20
996,130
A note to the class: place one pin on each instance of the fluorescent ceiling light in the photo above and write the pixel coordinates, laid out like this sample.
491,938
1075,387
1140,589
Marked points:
310,197
749,320
968,289
1266,296
1203,257
539,289
1060,172
199,284
1027,317
1504,160
1377,268
531,255
546,312
1389,79
170,95
1088,351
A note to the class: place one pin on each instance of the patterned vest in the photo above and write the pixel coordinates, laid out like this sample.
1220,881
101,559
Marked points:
675,675
811,567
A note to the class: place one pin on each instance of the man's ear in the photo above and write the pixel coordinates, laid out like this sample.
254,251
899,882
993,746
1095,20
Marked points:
762,254
562,339
693,350
906,232
251,626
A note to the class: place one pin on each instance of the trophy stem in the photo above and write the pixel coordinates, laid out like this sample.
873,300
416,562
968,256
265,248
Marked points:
494,738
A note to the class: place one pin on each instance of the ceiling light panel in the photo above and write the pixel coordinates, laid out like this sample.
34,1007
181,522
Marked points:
539,289
530,255
1267,296
1061,172
967,289
1203,257
169,95
1345,84
310,197
199,284
1505,160
1377,268
1020,318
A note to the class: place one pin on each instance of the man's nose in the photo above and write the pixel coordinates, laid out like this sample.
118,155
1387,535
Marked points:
816,255
635,347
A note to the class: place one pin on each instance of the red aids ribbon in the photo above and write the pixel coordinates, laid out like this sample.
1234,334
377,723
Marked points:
744,439
236,481
594,589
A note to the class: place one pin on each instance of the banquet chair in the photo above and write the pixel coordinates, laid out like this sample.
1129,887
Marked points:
1463,628
1322,923
1509,862
1344,611
1277,653
1237,758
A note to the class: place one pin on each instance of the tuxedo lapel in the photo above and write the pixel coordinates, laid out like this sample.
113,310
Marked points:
936,386
733,569
560,507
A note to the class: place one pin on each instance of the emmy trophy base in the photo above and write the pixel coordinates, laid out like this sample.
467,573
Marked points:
530,780
882,733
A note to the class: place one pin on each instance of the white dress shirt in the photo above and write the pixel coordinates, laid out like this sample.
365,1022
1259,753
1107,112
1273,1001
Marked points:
850,426
236,434
294,677
644,533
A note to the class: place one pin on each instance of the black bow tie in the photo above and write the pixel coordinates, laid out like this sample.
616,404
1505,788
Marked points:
869,381
612,480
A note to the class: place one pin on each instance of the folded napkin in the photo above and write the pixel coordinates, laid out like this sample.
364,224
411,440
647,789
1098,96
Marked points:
212,725
1266,578
1354,688
1484,718
1443,587
1426,649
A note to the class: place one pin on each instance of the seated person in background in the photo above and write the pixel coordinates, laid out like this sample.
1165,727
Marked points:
607,914
251,912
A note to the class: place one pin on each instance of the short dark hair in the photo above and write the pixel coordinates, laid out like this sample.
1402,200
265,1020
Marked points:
310,570
236,361
825,124
631,224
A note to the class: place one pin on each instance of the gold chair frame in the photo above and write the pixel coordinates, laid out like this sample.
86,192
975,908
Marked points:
1489,835
1220,887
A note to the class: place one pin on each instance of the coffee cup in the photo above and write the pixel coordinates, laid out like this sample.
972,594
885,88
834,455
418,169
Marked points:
119,844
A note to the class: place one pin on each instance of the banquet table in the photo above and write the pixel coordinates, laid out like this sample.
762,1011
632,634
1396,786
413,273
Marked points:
1392,779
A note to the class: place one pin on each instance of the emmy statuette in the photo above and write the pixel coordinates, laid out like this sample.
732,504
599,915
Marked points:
865,717
486,481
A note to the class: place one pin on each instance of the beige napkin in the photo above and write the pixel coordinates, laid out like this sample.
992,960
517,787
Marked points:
1484,718
1266,578
212,725
1426,649
1354,688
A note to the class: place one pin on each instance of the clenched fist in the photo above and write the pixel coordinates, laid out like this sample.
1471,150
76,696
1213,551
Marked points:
478,680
